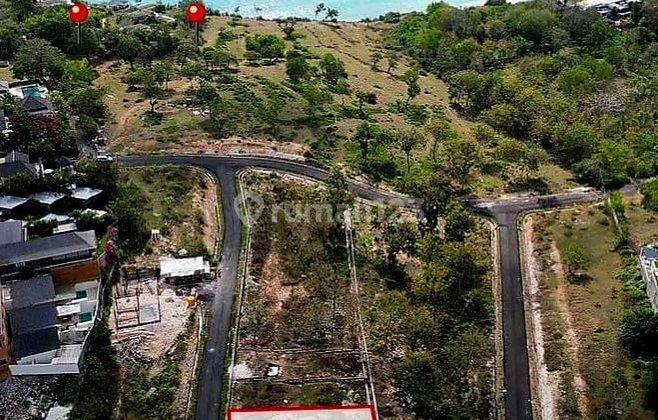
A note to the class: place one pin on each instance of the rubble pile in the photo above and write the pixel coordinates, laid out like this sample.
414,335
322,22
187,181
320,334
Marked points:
26,398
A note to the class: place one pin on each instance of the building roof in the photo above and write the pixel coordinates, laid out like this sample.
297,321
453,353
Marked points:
47,197
35,105
182,267
25,293
50,246
64,227
9,202
32,318
16,156
51,217
11,232
15,162
85,193
64,162
35,342
13,168
650,253
4,86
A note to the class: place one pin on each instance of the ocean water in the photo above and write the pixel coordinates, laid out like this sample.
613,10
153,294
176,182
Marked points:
349,10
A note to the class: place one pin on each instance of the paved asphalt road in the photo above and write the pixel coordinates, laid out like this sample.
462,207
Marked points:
212,378
515,343
504,211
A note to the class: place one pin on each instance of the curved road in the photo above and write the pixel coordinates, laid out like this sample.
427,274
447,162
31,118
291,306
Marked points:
505,212
211,380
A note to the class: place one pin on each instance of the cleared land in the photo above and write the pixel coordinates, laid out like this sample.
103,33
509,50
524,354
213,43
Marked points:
297,334
586,372
158,357
182,206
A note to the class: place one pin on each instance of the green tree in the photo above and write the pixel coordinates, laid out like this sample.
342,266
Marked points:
650,194
406,139
440,131
638,332
88,101
332,14
393,59
458,222
410,78
38,59
650,11
187,50
267,46
297,68
459,156
332,68
128,49
193,70
151,89
575,258
10,40
79,72
163,72
128,209
207,95
376,58
316,98
23,8
288,27
362,98
319,9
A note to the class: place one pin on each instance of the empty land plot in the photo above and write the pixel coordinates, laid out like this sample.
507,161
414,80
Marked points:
182,206
580,306
428,312
297,333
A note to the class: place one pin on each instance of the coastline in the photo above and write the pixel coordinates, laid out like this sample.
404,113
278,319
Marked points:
349,11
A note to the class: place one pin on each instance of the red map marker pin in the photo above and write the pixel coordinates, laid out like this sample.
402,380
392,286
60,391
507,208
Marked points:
195,13
79,13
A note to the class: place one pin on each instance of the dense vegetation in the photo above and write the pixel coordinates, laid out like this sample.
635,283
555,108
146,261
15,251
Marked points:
638,331
560,77
429,312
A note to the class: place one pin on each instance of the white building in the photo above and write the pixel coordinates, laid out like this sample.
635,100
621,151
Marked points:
648,264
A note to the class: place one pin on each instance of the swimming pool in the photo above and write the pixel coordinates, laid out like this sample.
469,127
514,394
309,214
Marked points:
33,91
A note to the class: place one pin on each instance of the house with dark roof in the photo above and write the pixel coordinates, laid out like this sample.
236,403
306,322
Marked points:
86,196
35,106
46,253
48,323
15,163
13,207
12,231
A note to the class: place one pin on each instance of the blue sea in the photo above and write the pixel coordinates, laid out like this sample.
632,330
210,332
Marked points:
349,10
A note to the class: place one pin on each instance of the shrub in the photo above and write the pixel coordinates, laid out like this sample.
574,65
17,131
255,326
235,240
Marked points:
267,46
650,192
639,332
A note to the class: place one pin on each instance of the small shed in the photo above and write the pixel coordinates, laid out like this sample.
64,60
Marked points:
184,270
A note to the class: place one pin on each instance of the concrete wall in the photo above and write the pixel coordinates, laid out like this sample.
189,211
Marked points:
4,342
44,369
